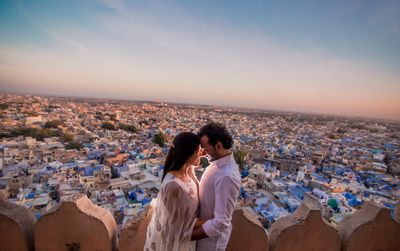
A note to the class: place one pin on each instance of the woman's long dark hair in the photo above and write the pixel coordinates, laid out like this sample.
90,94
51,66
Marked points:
184,145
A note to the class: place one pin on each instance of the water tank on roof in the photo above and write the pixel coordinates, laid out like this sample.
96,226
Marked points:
333,204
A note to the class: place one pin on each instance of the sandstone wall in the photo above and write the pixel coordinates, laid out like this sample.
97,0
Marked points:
78,224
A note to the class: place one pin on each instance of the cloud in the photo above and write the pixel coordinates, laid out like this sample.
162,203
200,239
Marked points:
68,41
117,5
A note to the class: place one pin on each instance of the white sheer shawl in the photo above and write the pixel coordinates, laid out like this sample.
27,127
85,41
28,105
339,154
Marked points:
175,212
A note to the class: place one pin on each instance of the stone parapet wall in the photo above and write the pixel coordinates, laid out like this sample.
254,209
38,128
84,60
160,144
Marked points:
305,229
370,228
133,236
16,226
247,231
78,224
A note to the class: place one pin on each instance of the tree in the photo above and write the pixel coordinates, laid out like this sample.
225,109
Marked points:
74,145
4,106
129,128
66,137
53,123
240,157
108,126
341,130
113,117
332,136
159,138
38,134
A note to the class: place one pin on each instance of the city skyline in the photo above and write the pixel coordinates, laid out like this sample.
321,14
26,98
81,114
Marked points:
211,106
337,58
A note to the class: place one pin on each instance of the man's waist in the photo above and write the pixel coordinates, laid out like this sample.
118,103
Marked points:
215,243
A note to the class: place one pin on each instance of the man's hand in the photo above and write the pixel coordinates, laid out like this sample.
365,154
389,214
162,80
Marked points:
198,223
198,233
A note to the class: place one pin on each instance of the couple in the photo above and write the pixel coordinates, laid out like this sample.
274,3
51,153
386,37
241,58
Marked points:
188,210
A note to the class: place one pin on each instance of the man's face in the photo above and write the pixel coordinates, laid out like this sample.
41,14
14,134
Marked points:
208,148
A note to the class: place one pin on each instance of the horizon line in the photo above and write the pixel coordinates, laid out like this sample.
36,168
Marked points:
257,109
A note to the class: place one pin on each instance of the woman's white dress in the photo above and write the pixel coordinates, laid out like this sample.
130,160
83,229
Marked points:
175,212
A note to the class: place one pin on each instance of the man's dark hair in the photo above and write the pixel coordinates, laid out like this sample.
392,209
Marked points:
216,133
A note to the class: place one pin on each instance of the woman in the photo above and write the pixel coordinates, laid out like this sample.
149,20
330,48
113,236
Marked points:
177,203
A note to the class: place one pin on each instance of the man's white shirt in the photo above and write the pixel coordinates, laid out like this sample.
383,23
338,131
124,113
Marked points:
219,190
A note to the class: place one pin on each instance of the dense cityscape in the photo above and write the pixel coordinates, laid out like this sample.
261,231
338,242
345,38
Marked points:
113,151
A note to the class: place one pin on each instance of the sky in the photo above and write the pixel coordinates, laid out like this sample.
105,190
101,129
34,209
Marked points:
328,57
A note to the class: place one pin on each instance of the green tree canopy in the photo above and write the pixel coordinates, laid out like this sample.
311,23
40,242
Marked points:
240,157
108,126
66,137
129,128
113,117
53,123
159,138
38,134
4,106
74,145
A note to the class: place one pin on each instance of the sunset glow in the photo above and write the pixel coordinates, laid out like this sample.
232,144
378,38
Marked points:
335,58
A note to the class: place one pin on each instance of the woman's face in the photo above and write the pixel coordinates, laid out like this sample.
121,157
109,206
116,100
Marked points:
194,160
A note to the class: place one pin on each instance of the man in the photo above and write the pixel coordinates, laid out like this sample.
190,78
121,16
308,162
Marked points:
219,189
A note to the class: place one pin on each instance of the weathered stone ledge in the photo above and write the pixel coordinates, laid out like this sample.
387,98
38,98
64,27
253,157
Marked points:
78,224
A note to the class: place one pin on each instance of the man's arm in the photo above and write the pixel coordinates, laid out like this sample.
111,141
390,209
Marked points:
227,191
198,233
198,223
